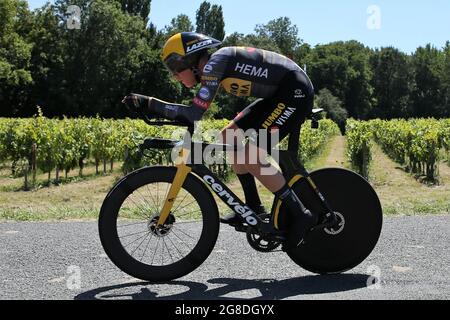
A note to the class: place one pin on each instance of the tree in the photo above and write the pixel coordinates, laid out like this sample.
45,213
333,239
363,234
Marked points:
137,7
233,40
359,94
15,54
333,106
301,54
427,96
209,20
344,69
445,76
47,63
251,40
100,69
283,33
392,82
201,16
329,68
181,23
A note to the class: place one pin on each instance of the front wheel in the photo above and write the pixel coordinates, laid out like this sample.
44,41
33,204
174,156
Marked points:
359,225
133,241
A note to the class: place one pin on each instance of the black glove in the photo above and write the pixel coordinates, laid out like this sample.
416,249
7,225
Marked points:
136,102
152,107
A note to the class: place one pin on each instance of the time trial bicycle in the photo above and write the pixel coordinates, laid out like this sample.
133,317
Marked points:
160,223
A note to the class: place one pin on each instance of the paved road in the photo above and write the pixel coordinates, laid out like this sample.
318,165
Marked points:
43,261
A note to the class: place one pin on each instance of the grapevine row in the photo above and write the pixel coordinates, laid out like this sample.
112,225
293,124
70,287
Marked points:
59,146
418,144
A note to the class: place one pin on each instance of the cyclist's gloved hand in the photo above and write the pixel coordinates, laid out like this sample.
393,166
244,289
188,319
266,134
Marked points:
136,102
148,106
153,107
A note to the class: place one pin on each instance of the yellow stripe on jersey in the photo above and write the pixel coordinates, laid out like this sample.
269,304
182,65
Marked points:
237,87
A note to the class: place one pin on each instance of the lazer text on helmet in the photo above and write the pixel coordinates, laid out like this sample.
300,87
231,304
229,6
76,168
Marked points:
198,45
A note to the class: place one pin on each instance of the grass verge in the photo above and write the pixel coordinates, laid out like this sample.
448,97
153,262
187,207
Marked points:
399,192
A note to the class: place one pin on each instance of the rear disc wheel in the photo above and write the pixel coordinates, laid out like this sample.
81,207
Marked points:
353,237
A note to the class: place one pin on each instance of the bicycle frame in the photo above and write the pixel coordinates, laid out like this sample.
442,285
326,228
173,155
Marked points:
291,168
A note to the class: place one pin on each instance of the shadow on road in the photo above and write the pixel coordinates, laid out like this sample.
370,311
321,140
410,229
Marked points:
269,289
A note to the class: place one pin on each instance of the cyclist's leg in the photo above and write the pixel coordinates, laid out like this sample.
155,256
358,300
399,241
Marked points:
233,135
288,108
249,159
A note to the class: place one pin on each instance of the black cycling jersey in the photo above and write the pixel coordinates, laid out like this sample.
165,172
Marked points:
242,71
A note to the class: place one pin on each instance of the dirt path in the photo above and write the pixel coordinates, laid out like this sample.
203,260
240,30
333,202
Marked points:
401,193
336,156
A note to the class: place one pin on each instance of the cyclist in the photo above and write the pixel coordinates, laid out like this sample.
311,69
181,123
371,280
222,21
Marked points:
286,98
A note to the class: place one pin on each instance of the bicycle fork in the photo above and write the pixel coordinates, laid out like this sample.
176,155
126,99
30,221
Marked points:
182,172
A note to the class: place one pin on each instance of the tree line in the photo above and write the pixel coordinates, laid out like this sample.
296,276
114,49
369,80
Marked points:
86,71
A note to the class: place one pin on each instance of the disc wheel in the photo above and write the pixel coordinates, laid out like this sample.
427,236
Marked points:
353,238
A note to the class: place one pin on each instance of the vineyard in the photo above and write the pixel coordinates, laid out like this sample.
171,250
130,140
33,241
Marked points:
416,144
57,147
38,153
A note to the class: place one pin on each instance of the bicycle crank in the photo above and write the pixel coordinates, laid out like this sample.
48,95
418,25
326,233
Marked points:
261,242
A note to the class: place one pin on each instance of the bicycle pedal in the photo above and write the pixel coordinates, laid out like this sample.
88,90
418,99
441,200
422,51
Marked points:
325,224
240,227
279,238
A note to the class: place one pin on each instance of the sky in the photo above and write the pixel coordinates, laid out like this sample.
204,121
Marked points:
404,24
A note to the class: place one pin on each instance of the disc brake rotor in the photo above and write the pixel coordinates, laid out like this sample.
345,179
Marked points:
162,230
339,227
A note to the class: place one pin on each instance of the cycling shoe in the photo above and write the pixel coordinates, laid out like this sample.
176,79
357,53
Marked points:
300,226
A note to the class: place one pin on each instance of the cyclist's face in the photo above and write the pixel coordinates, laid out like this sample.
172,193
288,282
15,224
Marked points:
186,77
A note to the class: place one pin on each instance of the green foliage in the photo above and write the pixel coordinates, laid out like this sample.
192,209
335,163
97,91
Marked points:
210,20
344,69
359,146
86,72
15,54
392,83
445,138
282,32
333,107
427,95
15,51
312,141
65,144
415,143
181,23
137,7
260,41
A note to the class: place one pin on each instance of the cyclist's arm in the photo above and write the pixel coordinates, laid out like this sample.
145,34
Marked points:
174,111
154,107
212,75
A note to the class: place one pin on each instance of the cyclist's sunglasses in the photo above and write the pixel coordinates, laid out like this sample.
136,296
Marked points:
176,64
